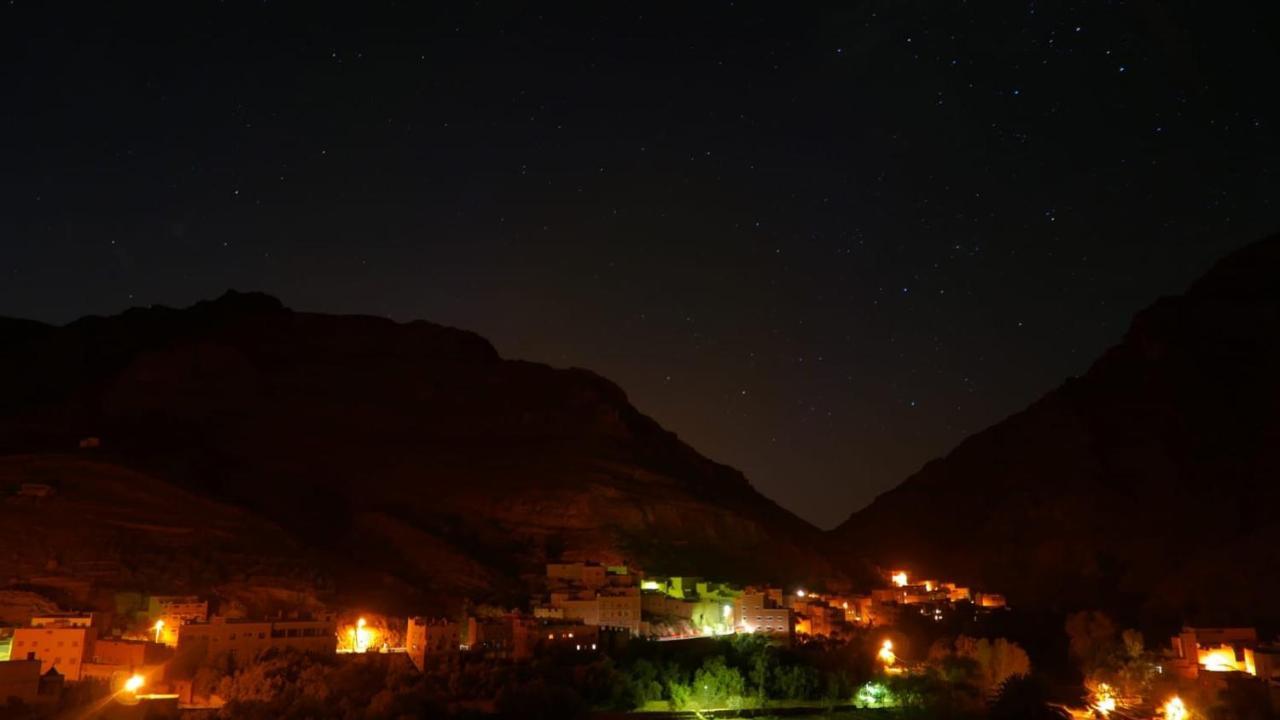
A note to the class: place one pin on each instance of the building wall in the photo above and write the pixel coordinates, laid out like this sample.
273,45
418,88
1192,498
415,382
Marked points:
619,611
19,679
989,600
63,648
564,637
586,611
589,576
179,608
248,639
758,612
426,638
659,603
129,653
495,635
83,620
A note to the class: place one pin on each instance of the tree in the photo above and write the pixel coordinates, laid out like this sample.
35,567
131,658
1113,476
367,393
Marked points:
1091,640
1023,697
796,682
715,685
996,661
1106,657
643,677
757,655
539,700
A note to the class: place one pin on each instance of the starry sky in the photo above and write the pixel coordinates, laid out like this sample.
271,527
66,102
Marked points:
821,242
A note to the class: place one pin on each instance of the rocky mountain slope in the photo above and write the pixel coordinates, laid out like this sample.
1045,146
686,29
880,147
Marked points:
404,456
106,527
1152,481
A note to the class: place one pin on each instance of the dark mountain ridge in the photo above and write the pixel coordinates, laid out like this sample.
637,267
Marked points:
1150,482
409,455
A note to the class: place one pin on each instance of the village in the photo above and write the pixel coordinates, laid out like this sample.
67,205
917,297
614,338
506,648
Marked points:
145,654
144,651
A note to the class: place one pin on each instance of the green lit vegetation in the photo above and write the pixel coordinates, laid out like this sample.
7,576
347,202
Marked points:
874,694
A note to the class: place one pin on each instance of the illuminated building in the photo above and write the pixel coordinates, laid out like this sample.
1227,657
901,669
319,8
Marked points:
114,658
761,612
662,604
427,637
587,575
620,610
247,638
816,616
177,609
592,594
989,600
1214,650
129,653
62,647
83,620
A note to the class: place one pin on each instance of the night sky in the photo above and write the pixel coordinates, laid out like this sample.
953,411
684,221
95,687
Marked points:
821,244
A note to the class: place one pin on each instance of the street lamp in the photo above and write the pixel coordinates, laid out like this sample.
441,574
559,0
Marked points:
157,627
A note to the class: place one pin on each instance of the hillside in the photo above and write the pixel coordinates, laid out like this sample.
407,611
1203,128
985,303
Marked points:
106,527
1149,482
404,455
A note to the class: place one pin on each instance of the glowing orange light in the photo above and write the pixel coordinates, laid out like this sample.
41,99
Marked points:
158,627
886,653
134,683
899,578
1174,709
361,637
1104,699
1223,659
